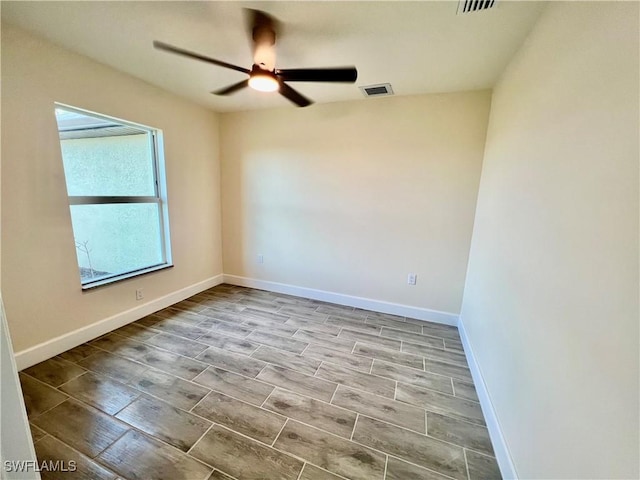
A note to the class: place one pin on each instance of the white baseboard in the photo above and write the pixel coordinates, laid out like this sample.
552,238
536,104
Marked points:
348,300
62,343
503,456
55,346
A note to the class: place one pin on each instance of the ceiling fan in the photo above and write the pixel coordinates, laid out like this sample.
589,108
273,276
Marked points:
263,75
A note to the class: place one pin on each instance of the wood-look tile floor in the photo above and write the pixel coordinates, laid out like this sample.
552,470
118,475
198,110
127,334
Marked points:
236,383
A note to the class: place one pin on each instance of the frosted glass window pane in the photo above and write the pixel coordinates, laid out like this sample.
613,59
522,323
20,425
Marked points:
109,166
113,239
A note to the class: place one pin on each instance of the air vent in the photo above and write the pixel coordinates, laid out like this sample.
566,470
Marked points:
379,90
468,6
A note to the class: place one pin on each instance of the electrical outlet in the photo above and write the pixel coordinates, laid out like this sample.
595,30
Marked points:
260,258
412,278
139,294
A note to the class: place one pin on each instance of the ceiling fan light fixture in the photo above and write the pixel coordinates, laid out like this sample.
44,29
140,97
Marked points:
263,80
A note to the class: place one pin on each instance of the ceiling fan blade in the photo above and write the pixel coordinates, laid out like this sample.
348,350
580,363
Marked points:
170,48
293,95
340,74
261,22
232,88
264,30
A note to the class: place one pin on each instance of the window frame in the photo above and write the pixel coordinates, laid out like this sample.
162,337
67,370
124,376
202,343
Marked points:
160,198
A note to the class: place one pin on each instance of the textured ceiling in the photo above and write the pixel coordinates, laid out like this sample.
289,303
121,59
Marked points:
419,47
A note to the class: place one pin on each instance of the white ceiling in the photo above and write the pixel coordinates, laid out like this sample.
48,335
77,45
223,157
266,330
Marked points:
418,47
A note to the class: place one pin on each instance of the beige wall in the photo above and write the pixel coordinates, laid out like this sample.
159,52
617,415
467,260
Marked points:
351,197
551,299
15,437
41,286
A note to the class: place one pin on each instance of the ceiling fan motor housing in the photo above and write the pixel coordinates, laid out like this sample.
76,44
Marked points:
264,35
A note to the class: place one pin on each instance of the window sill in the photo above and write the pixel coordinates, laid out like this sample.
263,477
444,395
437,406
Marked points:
124,276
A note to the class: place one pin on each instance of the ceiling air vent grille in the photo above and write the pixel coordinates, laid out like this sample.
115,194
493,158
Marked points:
378,90
468,6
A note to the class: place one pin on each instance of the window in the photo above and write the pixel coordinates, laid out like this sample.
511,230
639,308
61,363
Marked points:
115,184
